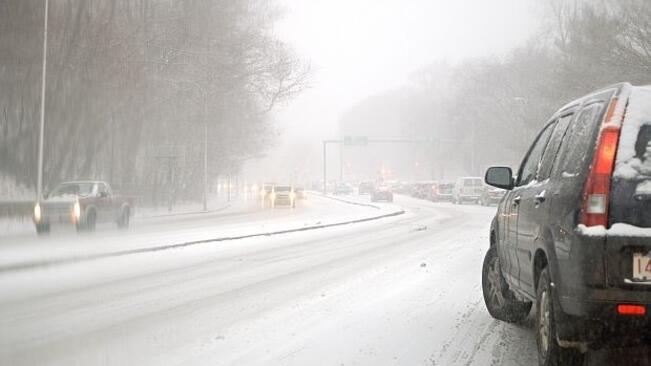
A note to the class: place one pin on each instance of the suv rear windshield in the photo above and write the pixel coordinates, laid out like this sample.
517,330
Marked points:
580,137
642,147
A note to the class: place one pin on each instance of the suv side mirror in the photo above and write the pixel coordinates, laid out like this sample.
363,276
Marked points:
103,194
500,177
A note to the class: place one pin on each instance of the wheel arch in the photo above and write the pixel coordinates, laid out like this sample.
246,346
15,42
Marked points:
88,210
125,207
543,256
493,232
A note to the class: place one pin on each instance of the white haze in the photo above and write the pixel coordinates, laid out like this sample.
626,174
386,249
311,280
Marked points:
364,47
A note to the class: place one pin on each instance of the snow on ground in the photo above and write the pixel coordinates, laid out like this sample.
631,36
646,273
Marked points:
16,225
243,219
402,290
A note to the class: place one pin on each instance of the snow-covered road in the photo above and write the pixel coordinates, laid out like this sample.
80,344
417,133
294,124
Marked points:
402,290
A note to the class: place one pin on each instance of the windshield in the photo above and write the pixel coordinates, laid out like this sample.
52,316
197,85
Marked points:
73,189
301,182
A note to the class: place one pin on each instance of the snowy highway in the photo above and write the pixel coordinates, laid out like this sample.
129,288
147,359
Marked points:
401,290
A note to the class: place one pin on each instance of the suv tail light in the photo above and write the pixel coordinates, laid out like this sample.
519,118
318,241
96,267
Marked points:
630,309
597,189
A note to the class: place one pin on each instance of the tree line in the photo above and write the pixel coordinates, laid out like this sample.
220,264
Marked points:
487,110
132,84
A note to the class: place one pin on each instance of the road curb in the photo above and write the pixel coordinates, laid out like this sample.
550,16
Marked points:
86,258
346,201
188,213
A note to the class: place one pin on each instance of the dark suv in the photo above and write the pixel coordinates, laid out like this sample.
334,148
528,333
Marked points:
573,232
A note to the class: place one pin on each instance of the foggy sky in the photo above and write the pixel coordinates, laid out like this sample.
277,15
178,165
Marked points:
359,48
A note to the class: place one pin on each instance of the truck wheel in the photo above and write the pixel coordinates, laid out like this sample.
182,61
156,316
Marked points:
89,225
500,301
123,221
43,229
549,351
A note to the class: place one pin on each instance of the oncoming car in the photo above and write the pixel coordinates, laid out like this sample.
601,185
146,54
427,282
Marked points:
82,204
283,196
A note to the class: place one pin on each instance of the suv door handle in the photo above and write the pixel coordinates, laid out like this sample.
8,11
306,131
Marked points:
516,201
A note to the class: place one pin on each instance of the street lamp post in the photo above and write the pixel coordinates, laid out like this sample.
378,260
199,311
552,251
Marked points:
39,182
205,151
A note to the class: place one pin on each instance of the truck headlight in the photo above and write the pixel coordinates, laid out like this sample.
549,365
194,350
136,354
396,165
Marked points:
37,212
76,211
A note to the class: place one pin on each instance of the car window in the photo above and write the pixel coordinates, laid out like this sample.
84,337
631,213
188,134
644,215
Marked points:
581,135
473,182
529,167
65,190
552,147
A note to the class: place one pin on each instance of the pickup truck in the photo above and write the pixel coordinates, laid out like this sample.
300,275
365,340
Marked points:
82,204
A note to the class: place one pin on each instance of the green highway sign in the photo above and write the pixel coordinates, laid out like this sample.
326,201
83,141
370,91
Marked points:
355,140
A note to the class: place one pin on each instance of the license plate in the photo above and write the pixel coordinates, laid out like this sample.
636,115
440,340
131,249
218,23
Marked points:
642,267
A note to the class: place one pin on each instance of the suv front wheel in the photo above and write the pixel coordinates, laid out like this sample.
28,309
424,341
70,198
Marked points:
549,351
500,301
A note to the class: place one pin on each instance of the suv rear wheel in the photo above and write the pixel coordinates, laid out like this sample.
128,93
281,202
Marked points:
549,352
500,301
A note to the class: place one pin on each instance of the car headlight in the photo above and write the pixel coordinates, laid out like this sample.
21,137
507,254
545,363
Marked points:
292,196
273,196
76,211
37,212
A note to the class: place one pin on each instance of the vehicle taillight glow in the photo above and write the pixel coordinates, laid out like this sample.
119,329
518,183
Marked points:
597,189
629,309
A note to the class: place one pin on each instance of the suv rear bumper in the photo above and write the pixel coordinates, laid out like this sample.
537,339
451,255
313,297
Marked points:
599,324
591,282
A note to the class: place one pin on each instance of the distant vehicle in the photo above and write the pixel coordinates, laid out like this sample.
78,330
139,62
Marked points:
441,192
401,187
382,193
365,188
300,193
422,190
82,204
267,194
467,189
491,195
572,234
342,188
283,196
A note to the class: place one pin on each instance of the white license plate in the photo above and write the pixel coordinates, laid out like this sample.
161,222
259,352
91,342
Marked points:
642,267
